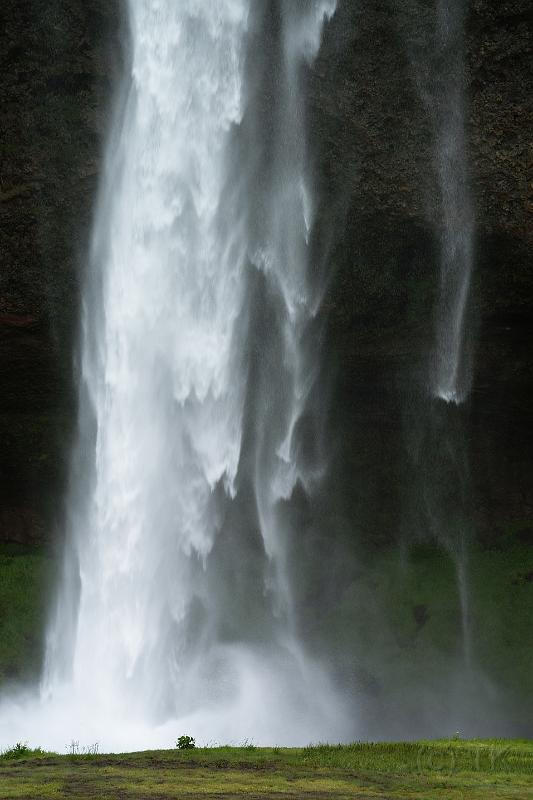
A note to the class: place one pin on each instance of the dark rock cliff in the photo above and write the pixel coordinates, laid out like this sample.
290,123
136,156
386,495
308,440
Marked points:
374,139
414,481
58,63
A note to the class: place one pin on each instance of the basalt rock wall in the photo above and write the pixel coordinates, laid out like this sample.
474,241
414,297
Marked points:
376,168
59,62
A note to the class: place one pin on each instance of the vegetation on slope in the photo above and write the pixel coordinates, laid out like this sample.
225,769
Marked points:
416,646
24,573
447,770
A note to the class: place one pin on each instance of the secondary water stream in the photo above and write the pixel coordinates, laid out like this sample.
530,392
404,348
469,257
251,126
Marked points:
451,376
444,480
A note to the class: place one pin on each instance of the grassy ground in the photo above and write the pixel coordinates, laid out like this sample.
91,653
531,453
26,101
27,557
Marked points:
445,770
24,577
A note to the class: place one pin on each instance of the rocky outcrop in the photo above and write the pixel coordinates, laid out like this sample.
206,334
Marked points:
20,525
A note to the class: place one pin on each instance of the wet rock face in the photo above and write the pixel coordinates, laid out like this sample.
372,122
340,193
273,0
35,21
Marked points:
377,226
500,46
376,134
500,60
58,62
377,174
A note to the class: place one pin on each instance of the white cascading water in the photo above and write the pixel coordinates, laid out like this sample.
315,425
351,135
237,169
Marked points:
451,373
284,241
152,637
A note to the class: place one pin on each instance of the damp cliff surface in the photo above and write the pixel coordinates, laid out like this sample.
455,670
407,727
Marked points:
381,197
58,65
377,239
415,480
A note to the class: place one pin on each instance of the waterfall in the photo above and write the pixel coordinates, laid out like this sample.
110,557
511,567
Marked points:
159,358
451,371
444,475
175,610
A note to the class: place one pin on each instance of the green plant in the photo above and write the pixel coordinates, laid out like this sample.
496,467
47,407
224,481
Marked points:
21,750
185,743
24,572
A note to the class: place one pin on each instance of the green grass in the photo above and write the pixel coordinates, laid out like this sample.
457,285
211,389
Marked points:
397,625
24,575
397,628
437,770
21,750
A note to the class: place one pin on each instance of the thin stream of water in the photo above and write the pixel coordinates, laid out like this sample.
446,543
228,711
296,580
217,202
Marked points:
451,371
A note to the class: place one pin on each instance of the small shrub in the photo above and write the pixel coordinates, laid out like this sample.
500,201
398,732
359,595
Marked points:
21,750
248,745
185,743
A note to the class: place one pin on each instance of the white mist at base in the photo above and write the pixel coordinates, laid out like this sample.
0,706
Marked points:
154,635
261,700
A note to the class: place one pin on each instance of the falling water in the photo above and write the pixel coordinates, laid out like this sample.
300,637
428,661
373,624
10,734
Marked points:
443,480
441,78
451,372
174,614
